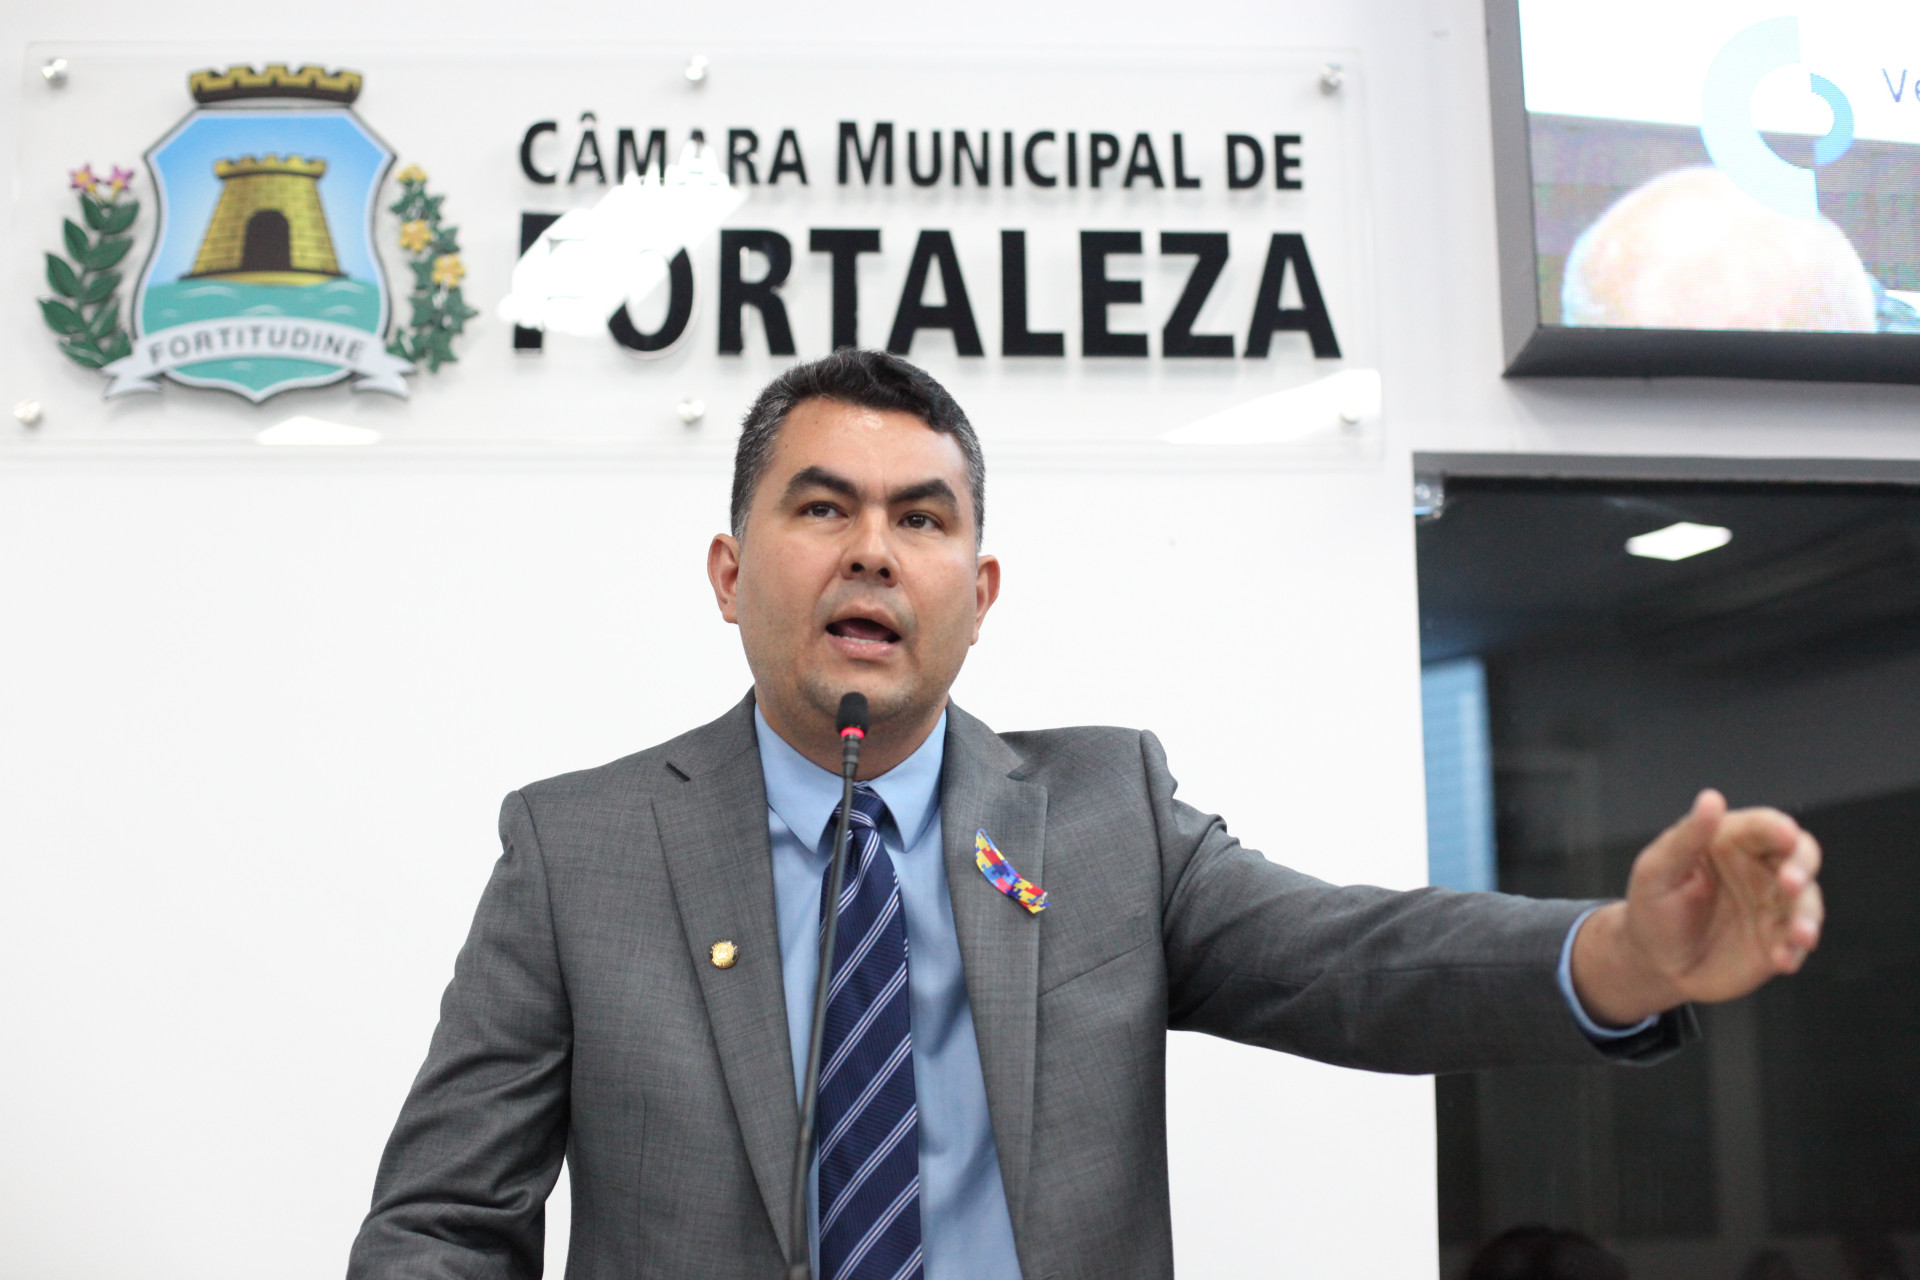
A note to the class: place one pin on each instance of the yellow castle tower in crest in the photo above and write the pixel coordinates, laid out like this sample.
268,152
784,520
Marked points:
268,227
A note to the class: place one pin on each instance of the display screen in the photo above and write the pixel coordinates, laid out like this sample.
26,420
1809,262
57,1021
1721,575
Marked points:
1720,165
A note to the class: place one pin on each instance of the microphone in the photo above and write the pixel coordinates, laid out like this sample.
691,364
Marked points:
851,723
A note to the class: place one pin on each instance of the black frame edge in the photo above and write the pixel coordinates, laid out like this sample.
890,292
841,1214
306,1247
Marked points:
1553,351
1677,467
1512,182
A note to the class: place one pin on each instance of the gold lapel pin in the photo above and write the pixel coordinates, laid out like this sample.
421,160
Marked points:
723,953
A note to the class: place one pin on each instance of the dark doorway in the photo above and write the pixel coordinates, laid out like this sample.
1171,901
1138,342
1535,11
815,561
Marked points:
269,245
1782,667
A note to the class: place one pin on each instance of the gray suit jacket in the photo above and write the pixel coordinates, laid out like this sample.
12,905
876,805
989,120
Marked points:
586,1020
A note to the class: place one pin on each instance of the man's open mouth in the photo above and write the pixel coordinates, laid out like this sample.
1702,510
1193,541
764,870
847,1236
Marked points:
865,630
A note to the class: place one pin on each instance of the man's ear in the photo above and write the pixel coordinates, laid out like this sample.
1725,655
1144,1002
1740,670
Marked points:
986,589
723,571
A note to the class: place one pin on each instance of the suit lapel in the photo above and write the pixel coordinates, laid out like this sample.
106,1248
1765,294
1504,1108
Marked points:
999,939
713,829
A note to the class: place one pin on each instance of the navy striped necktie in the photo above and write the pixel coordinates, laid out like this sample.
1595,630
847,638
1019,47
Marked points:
869,1120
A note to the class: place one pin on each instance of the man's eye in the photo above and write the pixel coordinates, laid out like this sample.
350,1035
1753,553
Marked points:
821,510
920,520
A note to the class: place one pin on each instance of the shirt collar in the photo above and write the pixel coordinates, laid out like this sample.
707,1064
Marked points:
805,796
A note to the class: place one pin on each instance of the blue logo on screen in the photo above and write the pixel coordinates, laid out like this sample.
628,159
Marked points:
1726,119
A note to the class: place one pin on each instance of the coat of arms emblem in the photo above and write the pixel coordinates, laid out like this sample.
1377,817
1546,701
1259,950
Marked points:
263,274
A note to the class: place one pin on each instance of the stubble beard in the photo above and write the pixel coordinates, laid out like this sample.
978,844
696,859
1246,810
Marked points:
824,696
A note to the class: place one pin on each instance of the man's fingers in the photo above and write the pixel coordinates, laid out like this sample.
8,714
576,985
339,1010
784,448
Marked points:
1766,834
1809,915
1674,854
1708,807
1795,933
1756,897
1802,866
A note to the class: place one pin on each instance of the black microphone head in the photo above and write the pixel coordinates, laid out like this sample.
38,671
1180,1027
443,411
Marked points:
853,714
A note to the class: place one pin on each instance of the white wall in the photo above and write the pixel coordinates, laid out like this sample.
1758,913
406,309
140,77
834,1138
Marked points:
256,712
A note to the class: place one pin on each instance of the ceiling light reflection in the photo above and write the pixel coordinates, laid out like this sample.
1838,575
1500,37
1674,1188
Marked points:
1678,541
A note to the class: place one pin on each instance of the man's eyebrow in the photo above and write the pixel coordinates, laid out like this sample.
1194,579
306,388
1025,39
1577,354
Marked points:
820,478
817,477
926,489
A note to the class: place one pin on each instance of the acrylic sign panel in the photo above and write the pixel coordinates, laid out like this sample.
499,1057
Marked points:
440,246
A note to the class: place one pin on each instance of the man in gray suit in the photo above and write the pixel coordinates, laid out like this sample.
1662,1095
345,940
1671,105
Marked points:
635,993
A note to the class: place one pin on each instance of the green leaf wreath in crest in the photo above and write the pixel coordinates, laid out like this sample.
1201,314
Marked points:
86,312
440,313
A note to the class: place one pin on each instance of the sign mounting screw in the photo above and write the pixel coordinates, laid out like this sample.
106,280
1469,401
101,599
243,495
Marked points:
1333,78
691,410
1429,498
27,412
696,70
55,70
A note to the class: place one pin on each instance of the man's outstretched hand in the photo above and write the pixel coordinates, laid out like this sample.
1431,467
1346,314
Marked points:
1716,906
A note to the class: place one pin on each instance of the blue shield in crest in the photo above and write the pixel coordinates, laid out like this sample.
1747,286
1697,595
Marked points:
263,275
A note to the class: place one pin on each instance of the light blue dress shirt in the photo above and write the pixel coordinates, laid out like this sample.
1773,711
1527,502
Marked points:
965,1230
1595,1032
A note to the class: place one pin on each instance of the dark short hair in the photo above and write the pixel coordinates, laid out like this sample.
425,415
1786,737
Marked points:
865,380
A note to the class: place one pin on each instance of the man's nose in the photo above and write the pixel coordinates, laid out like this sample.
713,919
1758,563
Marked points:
869,553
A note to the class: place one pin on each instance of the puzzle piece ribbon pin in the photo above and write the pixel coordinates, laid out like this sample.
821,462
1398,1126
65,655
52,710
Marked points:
1001,875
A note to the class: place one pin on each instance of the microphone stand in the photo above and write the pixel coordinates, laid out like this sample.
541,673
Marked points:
800,1262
